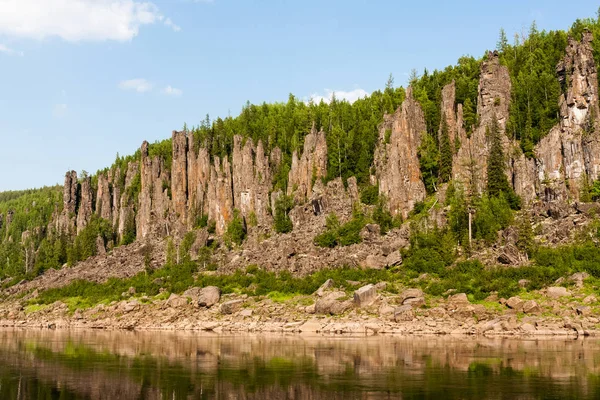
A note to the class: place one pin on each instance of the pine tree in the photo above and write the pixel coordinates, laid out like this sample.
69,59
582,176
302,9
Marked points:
445,153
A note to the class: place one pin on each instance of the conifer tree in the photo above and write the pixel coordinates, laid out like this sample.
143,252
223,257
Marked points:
497,182
445,153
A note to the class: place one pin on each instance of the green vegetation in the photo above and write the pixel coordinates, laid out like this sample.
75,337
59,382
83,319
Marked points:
369,195
337,234
236,229
283,205
31,211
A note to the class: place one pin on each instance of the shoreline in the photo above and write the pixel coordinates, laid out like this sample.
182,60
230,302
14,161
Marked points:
500,327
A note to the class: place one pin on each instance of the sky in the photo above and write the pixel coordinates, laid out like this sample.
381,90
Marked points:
83,80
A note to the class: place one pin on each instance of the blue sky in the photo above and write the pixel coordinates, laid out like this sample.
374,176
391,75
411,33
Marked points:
81,80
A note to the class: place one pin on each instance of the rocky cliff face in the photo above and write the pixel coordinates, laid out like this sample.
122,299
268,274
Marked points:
126,203
86,199
309,167
570,153
154,201
396,159
251,180
65,222
173,199
470,162
104,198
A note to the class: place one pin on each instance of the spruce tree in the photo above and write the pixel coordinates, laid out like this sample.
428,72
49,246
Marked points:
497,183
445,153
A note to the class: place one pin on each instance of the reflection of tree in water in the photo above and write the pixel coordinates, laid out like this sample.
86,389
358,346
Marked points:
115,365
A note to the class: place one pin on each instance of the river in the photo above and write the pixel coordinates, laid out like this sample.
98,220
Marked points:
94,364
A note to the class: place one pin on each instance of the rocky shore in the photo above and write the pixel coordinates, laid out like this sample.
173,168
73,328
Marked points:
371,309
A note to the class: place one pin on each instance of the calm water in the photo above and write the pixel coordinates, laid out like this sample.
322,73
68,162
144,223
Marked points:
133,365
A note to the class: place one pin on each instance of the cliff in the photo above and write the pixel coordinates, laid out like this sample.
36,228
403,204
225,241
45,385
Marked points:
203,180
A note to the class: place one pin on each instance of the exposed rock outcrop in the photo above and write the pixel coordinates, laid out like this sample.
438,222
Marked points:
126,202
396,157
154,199
65,222
571,151
493,101
103,198
309,167
85,210
179,187
251,179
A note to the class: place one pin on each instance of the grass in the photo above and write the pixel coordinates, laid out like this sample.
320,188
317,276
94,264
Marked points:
33,308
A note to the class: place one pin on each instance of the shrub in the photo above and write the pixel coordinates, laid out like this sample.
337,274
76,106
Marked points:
370,195
283,223
236,229
337,234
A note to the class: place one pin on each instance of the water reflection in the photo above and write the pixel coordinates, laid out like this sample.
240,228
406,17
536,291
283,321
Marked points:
159,365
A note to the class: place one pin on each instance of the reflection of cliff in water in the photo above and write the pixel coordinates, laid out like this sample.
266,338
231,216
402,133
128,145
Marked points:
151,365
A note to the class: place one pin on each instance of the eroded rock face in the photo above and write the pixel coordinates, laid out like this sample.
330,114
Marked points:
251,179
219,199
470,162
309,167
65,222
103,198
84,212
179,175
126,205
154,202
571,151
396,161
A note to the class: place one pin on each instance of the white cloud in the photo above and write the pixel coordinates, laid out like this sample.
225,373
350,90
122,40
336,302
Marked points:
139,85
171,25
171,91
60,110
351,96
78,20
8,51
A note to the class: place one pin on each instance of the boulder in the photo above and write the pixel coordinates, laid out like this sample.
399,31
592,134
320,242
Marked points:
131,306
557,291
584,311
515,303
415,302
209,296
229,307
393,259
365,296
375,262
527,327
410,294
578,278
325,286
459,298
332,304
246,313
404,314
176,301
531,307
193,294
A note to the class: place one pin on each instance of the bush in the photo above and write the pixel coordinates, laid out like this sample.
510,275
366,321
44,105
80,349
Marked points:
383,217
283,223
370,195
493,214
341,235
236,229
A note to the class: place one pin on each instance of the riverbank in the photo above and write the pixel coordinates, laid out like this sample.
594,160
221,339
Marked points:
370,309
